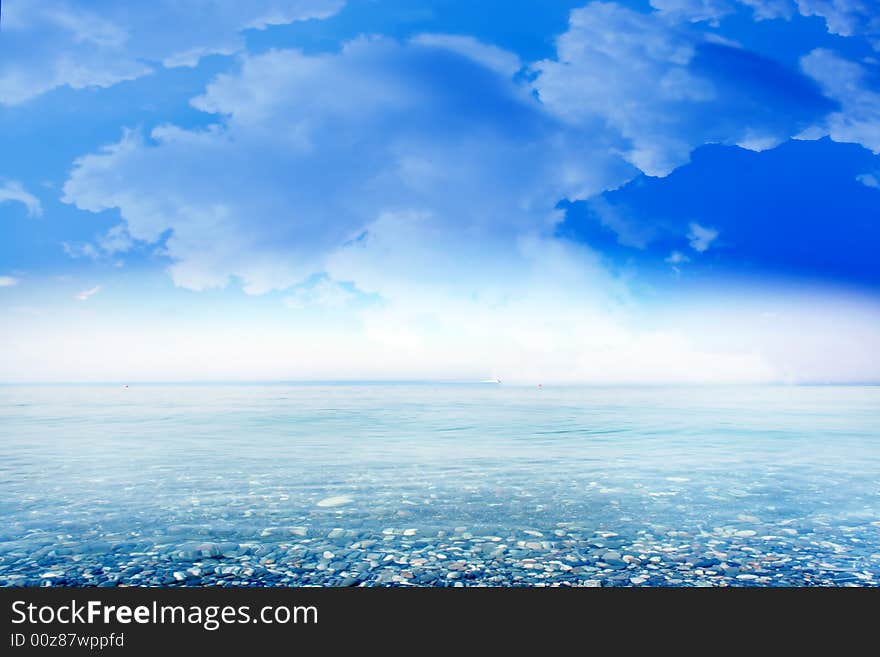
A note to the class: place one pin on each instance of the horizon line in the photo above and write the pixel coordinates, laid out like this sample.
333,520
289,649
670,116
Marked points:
502,382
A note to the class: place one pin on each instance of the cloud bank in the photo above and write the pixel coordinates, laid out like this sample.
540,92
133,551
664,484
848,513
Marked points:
850,84
664,89
51,43
310,151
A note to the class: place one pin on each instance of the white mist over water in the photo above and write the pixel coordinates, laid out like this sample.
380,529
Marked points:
546,332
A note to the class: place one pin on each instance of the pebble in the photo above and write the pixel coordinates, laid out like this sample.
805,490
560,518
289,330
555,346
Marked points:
303,548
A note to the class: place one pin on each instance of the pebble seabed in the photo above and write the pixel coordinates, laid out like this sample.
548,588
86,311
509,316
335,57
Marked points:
564,555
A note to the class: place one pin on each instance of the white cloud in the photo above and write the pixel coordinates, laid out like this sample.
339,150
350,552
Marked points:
757,142
549,313
770,9
629,232
695,10
8,281
115,240
80,250
712,11
492,57
847,82
51,43
846,18
771,334
11,190
557,316
806,334
869,179
85,295
700,237
662,88
310,149
313,148
677,258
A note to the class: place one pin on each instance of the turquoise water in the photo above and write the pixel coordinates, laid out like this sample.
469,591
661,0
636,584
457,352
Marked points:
258,484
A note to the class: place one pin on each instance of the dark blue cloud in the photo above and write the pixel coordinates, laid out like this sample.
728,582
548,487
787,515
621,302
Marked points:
797,210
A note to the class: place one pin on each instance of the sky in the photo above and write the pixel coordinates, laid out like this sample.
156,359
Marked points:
663,191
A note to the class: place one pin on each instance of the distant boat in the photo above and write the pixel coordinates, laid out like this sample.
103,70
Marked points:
496,381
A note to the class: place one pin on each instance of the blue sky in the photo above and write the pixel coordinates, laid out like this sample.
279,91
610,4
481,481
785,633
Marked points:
631,191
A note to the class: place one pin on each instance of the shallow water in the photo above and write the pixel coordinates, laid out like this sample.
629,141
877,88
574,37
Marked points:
439,485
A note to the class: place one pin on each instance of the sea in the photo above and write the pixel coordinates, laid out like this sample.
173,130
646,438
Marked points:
439,484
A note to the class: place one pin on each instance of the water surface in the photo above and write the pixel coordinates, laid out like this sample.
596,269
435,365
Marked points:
347,484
